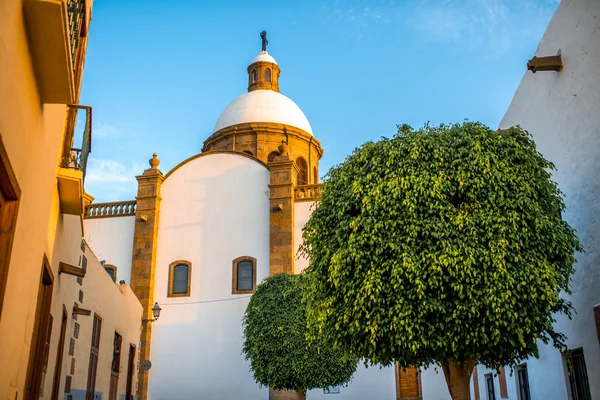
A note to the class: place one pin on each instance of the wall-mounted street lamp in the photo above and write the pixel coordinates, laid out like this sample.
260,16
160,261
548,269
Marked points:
155,313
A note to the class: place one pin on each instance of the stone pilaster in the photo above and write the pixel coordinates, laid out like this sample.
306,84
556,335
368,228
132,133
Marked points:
143,263
283,179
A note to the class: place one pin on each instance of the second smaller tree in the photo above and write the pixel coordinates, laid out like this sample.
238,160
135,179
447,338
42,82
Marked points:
275,341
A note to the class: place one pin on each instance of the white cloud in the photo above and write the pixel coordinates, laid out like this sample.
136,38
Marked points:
110,180
105,131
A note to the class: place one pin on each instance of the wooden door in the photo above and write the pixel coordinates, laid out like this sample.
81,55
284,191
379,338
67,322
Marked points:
114,369
93,365
9,205
130,372
42,328
59,356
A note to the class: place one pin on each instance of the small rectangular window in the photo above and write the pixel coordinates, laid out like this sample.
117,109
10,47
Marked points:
523,382
489,383
578,378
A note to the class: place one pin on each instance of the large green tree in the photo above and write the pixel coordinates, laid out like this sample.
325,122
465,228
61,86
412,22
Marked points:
275,332
443,245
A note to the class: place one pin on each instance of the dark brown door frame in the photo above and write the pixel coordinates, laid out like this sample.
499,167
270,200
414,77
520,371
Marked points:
37,352
10,194
115,367
130,372
94,353
59,355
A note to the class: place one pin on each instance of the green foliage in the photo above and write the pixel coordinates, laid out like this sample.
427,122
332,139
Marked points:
445,243
275,342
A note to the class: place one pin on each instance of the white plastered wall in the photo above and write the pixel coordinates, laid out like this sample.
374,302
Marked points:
117,305
111,239
214,209
302,211
561,111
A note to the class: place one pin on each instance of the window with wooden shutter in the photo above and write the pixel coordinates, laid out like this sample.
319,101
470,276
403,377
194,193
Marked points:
475,378
408,384
502,383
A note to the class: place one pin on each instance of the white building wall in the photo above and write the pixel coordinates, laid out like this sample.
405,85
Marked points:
214,209
111,239
302,211
433,384
116,304
561,111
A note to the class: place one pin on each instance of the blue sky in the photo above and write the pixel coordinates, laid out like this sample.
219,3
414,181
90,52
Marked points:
159,73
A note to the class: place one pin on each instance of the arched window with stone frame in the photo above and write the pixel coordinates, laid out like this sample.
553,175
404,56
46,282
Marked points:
180,279
112,271
268,75
243,275
254,75
302,171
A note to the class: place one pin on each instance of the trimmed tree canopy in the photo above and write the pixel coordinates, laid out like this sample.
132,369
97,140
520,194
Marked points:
275,340
442,244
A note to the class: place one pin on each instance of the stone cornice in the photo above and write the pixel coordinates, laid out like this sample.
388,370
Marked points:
265,127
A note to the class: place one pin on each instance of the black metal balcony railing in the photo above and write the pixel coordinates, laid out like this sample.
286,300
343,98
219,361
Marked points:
73,157
75,15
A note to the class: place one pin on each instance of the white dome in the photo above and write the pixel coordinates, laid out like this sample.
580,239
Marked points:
263,106
264,56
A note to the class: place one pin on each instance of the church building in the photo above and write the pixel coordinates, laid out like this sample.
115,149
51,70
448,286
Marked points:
199,238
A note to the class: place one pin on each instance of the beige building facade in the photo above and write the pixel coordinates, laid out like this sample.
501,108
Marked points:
52,286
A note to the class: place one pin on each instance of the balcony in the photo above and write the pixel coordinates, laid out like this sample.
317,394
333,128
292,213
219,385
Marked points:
71,172
56,32
308,192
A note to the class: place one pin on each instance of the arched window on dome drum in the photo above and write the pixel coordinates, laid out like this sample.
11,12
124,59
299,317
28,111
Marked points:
179,279
272,156
253,75
268,75
244,275
302,171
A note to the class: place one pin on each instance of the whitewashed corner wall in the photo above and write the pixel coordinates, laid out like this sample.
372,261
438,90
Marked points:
561,111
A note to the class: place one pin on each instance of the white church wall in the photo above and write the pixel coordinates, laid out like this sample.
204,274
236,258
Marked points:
302,211
214,209
111,239
433,385
560,110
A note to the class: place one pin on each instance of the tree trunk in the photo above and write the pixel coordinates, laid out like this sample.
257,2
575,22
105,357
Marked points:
458,378
301,394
